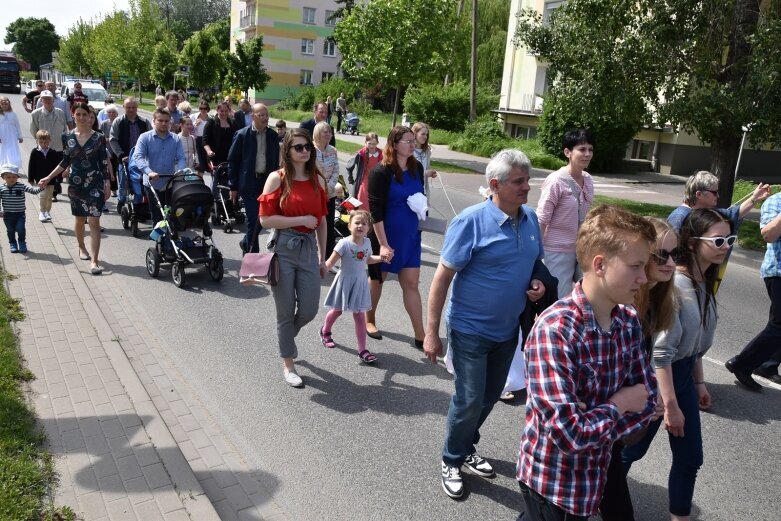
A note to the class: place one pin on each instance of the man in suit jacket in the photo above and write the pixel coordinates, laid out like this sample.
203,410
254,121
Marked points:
320,114
254,154
243,117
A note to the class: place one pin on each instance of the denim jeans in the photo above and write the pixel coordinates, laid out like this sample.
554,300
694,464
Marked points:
687,450
251,208
537,508
122,181
480,366
14,225
766,346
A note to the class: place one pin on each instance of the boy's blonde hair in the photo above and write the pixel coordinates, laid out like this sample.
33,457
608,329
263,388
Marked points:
607,231
43,134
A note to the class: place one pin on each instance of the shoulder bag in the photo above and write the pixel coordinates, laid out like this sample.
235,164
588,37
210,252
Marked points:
259,268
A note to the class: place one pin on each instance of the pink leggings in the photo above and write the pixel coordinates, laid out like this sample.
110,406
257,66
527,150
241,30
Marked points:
360,325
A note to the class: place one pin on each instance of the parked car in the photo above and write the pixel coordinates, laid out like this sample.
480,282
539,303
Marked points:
193,92
28,86
95,92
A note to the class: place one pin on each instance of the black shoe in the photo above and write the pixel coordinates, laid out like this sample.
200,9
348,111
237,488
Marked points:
374,334
770,373
419,344
742,376
243,246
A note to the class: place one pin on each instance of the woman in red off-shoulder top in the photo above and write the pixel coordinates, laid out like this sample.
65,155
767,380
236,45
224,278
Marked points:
294,202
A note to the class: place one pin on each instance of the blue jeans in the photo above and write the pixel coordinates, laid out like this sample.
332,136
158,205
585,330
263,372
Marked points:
480,366
251,208
687,451
122,181
14,225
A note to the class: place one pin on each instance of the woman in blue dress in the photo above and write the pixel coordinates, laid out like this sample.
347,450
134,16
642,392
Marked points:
88,186
396,237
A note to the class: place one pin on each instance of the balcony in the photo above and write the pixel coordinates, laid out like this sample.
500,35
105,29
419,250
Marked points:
247,20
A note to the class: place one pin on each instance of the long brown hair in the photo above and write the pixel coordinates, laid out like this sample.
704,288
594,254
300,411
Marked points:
389,153
289,170
656,304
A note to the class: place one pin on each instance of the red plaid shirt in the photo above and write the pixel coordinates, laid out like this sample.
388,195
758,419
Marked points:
565,451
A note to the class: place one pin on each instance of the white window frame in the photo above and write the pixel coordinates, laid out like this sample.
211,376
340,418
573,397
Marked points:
328,15
305,77
329,44
308,15
307,46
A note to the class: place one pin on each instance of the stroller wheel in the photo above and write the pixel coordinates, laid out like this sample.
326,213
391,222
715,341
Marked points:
177,273
228,227
134,228
152,262
124,214
216,269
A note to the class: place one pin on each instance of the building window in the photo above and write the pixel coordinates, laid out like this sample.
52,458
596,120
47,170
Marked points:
330,21
305,78
309,15
329,47
550,6
327,76
522,131
307,46
642,149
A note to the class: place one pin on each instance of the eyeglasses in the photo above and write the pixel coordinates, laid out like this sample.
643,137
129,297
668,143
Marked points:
407,141
661,256
719,242
300,147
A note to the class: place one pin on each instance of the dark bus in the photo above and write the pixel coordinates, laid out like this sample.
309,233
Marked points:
9,73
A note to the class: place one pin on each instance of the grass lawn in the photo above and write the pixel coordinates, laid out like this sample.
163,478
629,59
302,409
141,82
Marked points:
351,148
26,471
748,235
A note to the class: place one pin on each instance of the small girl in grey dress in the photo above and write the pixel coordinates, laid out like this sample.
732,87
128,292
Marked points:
350,288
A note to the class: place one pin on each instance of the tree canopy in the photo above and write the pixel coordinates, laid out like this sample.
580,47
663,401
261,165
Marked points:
205,56
396,42
245,69
34,40
73,53
709,67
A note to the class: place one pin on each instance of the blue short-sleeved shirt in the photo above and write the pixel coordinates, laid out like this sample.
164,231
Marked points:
771,266
677,216
494,256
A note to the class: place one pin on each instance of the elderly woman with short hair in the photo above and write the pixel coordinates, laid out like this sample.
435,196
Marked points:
328,163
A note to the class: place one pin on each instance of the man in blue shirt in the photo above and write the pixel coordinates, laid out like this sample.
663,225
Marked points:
766,346
490,254
158,154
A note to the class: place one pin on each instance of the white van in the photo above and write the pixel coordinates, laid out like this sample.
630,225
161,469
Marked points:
95,92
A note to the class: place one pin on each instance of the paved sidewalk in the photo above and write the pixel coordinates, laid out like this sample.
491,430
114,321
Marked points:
128,435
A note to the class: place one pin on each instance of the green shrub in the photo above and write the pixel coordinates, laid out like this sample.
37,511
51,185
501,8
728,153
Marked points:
363,108
333,88
305,99
446,107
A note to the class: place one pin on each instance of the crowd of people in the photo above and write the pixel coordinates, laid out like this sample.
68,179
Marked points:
612,312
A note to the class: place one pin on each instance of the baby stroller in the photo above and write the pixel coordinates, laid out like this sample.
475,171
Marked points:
342,214
226,213
351,122
132,202
191,206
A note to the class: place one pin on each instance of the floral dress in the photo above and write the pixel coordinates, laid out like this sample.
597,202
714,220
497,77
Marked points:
89,172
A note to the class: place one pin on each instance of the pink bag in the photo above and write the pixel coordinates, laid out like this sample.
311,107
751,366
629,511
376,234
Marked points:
259,268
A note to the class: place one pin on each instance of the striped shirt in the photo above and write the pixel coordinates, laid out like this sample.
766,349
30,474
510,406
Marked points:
12,197
557,210
328,163
771,265
565,451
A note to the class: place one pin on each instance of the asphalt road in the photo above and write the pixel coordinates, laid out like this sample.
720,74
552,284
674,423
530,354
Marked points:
363,443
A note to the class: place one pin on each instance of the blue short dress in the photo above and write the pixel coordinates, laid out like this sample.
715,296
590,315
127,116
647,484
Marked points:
350,289
401,224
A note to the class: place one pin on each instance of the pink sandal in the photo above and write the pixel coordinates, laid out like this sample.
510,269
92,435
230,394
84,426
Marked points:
325,338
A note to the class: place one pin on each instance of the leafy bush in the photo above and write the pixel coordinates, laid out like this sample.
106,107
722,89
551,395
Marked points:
447,107
485,137
305,99
333,88
363,108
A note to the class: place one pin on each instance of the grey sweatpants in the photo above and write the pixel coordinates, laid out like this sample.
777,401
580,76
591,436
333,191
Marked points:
297,295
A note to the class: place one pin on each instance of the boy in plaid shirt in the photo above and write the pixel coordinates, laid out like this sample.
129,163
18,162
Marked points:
589,382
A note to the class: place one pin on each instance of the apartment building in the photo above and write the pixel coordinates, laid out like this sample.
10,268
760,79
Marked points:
298,48
525,81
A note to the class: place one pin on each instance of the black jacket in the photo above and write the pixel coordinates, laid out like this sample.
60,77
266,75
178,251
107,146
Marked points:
119,139
238,118
380,179
310,126
242,161
532,309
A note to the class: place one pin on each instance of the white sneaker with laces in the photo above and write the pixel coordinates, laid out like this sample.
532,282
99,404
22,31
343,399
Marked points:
42,217
48,216
452,483
292,378
479,465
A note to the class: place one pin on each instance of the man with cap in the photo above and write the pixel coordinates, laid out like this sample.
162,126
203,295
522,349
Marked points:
59,102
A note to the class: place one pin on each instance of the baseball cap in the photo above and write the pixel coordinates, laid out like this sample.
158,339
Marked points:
46,94
9,168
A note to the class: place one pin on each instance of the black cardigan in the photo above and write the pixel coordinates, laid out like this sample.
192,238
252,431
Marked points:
379,185
40,166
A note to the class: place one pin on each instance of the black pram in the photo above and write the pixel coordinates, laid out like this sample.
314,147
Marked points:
226,213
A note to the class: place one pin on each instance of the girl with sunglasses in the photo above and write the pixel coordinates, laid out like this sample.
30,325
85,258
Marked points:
705,239
294,202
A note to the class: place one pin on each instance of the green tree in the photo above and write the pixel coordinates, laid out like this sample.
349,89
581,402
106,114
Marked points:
164,62
144,30
104,50
185,17
72,54
245,69
34,40
207,62
396,42
709,67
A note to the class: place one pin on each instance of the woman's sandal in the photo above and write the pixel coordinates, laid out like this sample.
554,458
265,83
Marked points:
325,338
367,357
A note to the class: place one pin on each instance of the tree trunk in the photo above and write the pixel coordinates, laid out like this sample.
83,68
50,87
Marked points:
724,158
396,104
473,72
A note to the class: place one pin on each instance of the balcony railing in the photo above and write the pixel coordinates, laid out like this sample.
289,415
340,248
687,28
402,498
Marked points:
246,20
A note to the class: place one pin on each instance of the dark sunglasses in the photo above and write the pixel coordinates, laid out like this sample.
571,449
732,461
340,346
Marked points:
718,242
301,147
660,256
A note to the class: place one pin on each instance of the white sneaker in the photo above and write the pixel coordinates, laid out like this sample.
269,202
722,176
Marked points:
48,216
292,378
42,217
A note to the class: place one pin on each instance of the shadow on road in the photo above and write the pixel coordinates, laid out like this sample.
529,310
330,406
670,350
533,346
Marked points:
733,402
